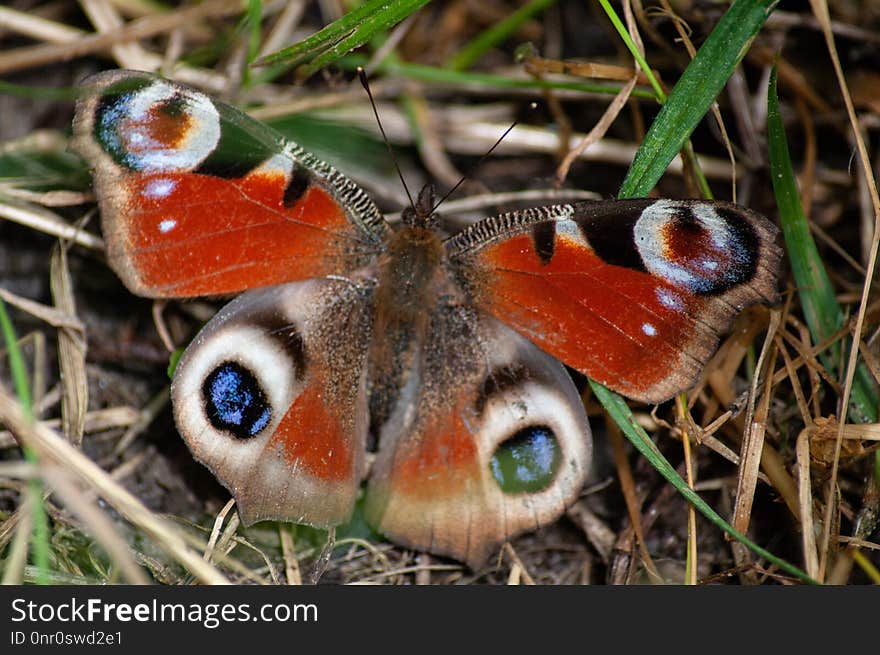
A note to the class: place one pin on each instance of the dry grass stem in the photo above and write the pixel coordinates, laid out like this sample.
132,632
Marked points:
53,448
633,503
39,55
47,199
96,421
71,352
753,439
598,131
519,574
57,318
288,549
820,9
97,522
145,417
16,558
43,220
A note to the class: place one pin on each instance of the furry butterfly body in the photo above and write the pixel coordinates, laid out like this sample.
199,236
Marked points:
438,354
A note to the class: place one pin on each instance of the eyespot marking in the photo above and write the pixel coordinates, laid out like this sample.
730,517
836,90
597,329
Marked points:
288,337
235,402
167,225
649,329
705,249
157,128
528,461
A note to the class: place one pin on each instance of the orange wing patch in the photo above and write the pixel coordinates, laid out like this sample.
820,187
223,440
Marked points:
315,439
191,234
620,326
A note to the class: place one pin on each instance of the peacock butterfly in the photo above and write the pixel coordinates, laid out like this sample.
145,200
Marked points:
441,354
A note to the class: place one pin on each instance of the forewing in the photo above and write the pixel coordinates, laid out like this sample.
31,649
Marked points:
635,294
271,397
198,198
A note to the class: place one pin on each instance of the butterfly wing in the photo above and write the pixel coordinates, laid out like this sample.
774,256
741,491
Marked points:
198,198
487,439
633,293
271,397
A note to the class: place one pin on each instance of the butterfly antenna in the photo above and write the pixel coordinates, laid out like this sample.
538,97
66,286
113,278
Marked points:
362,76
464,177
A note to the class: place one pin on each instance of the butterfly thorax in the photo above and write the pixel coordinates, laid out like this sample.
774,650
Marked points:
410,271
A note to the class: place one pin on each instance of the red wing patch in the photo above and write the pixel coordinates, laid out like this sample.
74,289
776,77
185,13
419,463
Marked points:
605,321
442,463
428,485
316,439
617,291
187,234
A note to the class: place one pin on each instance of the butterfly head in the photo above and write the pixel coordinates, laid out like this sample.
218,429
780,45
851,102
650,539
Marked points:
421,214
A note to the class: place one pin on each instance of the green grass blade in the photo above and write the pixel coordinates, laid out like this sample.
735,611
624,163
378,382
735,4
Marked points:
660,94
322,39
39,92
694,93
822,312
435,75
686,105
251,24
16,361
339,37
620,412
44,170
352,150
820,308
633,49
41,528
496,34
20,382
366,31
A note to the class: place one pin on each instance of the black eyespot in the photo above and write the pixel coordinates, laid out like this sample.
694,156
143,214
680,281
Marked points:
235,402
528,461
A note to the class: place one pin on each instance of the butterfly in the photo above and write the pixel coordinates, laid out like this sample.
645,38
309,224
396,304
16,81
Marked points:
434,358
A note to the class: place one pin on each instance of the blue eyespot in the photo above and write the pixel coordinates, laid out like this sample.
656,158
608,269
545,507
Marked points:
111,112
528,461
235,402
